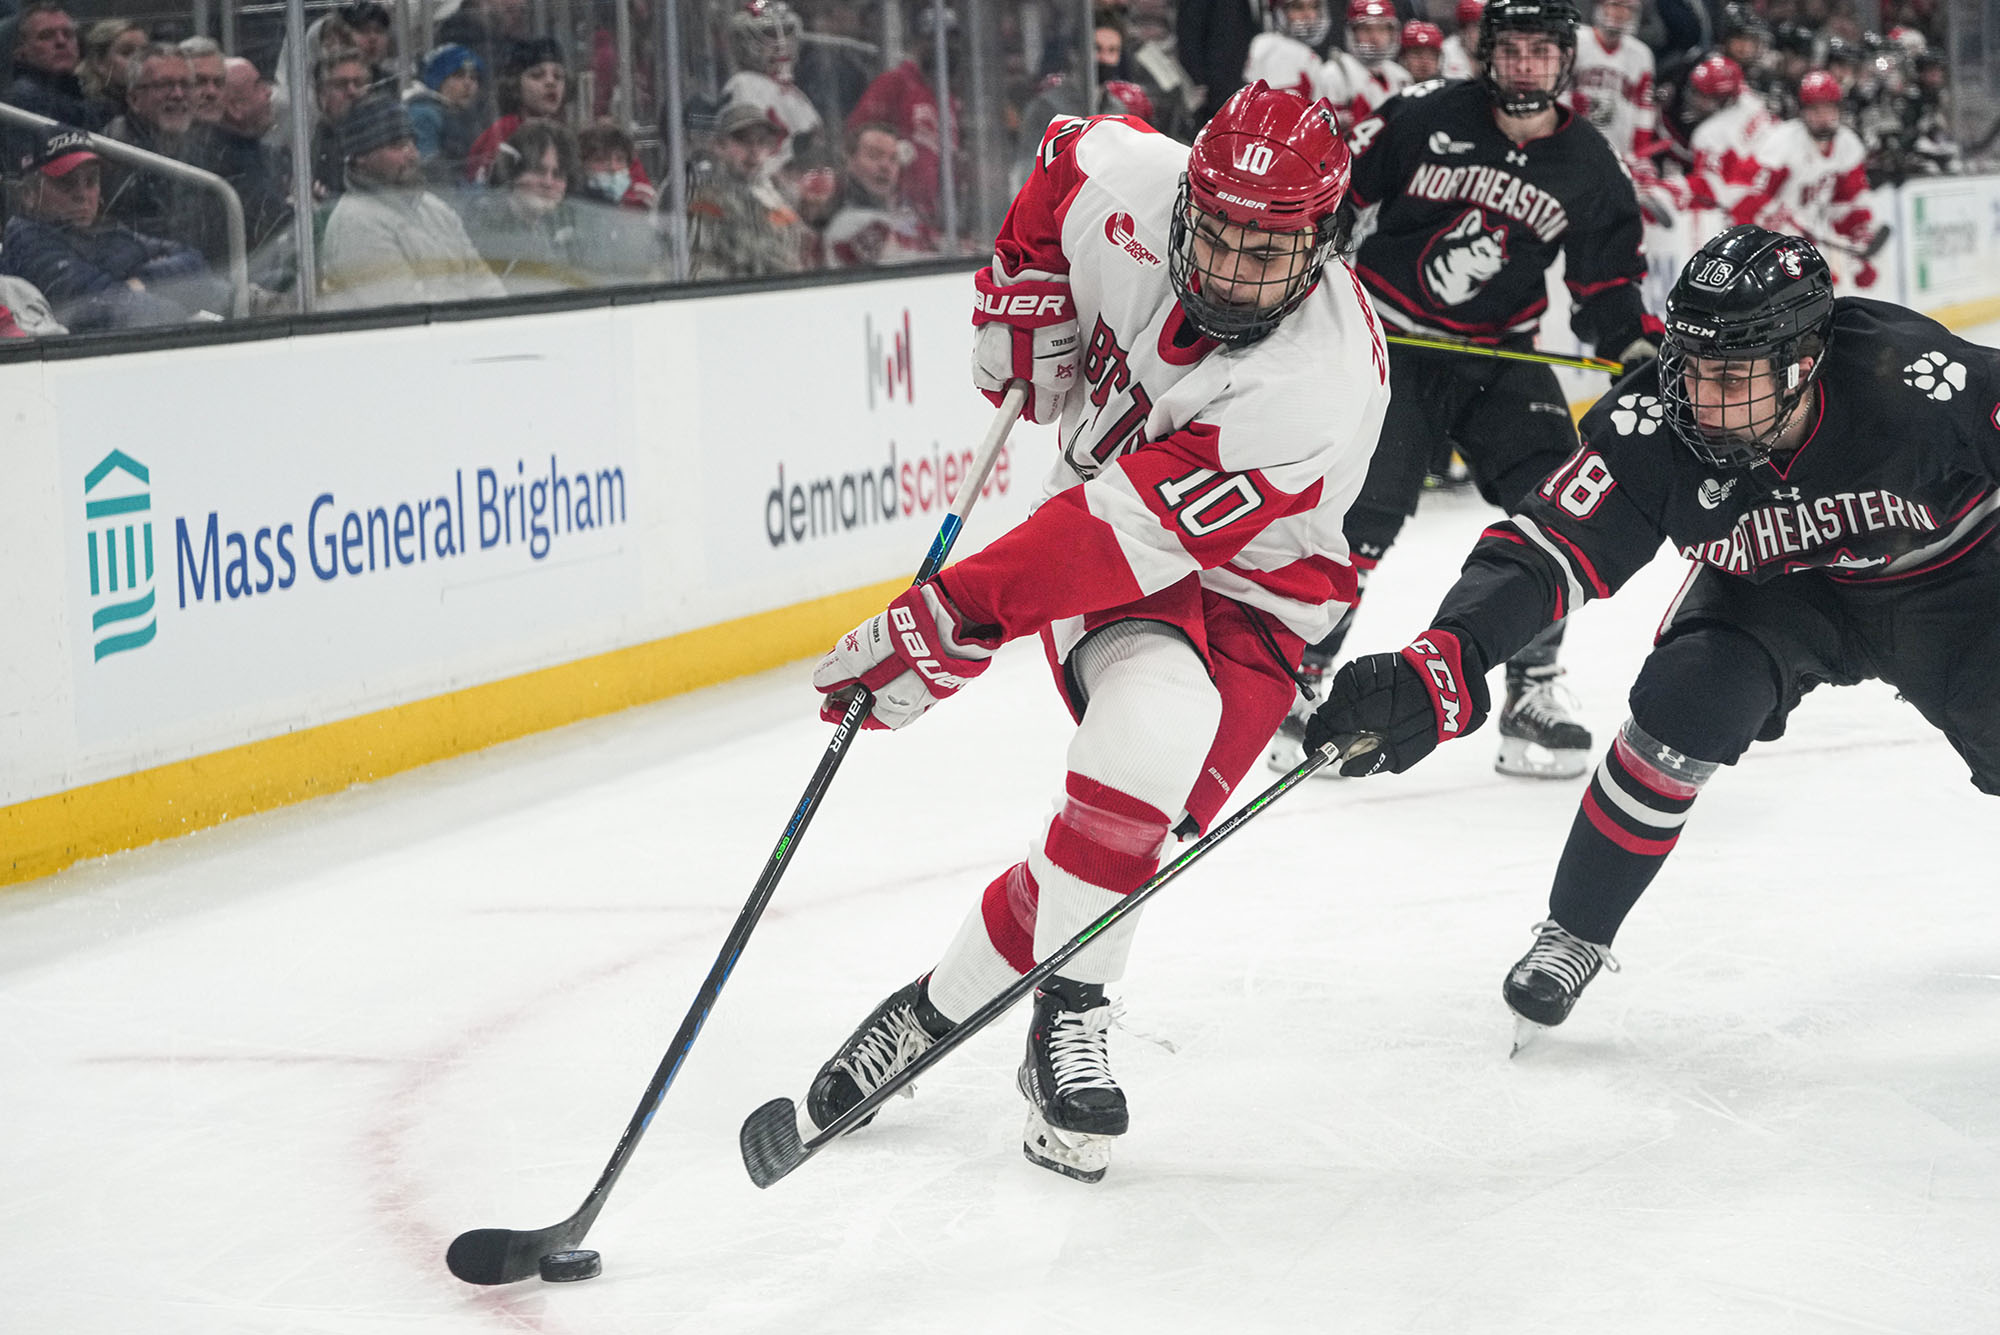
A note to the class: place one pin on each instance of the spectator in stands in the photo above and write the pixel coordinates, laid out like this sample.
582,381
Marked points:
160,119
739,225
489,27
373,36
445,110
108,48
45,61
533,86
96,274
906,97
872,223
339,79
838,57
604,63
1214,42
240,156
525,227
388,240
612,173
204,59
1157,69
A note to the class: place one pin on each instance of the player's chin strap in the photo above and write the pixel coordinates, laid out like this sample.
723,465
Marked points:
1604,364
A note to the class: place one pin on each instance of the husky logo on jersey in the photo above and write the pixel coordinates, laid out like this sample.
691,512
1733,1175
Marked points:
1441,143
1640,414
1463,259
1254,158
1714,492
1118,231
1936,375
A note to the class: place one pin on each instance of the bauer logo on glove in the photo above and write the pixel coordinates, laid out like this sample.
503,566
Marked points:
908,657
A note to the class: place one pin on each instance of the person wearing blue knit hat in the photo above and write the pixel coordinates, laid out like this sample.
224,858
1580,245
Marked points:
445,111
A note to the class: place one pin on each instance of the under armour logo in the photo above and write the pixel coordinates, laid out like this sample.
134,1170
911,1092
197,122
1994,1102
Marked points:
1516,157
1786,494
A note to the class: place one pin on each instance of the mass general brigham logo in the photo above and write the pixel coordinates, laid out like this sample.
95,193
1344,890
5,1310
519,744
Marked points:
116,497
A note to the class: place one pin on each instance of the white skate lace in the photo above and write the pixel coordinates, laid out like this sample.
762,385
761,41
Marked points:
885,1049
1078,1052
1570,960
1547,703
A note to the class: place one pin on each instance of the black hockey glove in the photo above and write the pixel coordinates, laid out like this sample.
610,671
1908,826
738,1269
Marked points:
1410,700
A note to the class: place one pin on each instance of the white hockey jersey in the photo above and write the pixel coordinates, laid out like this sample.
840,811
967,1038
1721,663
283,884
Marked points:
1457,62
1804,186
1283,62
782,104
1178,456
1614,89
1356,89
1725,166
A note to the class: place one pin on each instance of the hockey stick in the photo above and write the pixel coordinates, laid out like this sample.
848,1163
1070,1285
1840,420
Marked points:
501,1255
1610,368
770,1137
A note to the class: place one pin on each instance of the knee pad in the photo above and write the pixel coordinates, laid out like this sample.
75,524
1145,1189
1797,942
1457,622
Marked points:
1668,772
1706,693
1105,838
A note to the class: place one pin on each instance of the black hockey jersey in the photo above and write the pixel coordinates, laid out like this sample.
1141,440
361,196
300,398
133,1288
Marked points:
1466,222
1896,480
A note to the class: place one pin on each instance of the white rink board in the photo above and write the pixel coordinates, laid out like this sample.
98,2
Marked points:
331,525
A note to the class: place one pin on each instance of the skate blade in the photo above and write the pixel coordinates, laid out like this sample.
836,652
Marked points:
1071,1153
1526,1031
1522,759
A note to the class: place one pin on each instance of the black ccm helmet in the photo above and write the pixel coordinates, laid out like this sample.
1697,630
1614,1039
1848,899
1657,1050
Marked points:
1552,18
1747,294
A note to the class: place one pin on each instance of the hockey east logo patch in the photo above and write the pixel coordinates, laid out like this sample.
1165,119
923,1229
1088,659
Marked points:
1936,375
1637,415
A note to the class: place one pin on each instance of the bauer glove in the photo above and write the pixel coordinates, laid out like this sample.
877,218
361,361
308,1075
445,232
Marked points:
1025,329
1410,700
912,655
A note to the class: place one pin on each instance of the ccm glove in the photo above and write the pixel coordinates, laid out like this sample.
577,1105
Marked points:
1410,700
910,656
1025,330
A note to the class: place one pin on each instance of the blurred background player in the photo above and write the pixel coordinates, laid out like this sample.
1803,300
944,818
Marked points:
1365,75
1614,79
1188,547
1832,467
1461,49
1422,56
1812,180
1291,54
764,44
1470,192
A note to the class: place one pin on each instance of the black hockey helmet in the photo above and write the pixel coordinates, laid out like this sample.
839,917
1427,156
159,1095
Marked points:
1747,294
1739,20
1551,18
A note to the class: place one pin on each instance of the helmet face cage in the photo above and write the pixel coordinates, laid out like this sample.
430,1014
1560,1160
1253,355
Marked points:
1619,27
764,37
1279,291
1681,378
1381,15
1555,19
1312,31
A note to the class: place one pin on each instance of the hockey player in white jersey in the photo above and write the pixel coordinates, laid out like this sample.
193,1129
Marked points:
1220,381
1812,181
1461,49
1614,79
1291,53
1725,163
1366,74
764,43
1422,56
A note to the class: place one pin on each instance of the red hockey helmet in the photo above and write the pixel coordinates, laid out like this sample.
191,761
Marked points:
1421,34
1717,77
1819,88
1122,97
1381,47
1272,162
1470,12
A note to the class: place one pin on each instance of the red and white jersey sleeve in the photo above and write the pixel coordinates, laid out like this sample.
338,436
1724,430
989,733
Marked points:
1725,152
1614,91
1179,457
1457,61
1284,62
1356,89
1805,186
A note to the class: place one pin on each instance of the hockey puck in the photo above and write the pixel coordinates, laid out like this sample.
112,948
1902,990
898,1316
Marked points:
565,1267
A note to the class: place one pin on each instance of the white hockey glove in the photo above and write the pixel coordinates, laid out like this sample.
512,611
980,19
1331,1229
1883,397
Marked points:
912,655
1026,330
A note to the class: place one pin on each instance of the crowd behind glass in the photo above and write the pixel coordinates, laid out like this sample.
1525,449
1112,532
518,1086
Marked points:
488,148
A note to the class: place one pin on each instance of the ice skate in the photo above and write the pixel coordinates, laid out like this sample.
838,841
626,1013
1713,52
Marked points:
894,1035
1542,987
1074,1105
1539,735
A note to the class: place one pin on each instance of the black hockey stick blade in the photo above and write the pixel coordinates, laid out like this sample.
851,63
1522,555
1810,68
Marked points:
504,1256
770,1141
770,1135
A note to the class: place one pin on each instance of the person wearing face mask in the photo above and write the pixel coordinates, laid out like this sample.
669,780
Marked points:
1812,181
612,172
445,112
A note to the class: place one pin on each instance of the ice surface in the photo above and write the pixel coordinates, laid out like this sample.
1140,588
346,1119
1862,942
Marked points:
254,1081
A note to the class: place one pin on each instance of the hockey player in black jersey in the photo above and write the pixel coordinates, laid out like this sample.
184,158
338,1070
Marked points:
1469,192
1832,467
